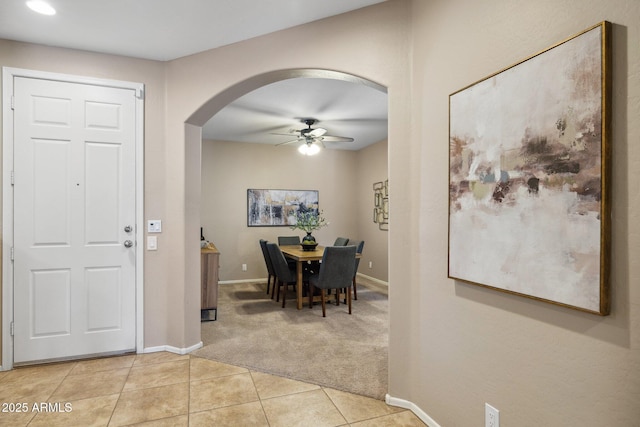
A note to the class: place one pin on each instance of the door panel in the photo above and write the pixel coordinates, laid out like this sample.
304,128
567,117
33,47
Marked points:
50,288
51,162
74,193
104,292
102,181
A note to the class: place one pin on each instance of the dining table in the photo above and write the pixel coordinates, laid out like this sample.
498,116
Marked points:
301,257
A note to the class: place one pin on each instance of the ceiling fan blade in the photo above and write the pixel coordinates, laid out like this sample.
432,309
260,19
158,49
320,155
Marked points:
287,142
317,132
330,138
277,133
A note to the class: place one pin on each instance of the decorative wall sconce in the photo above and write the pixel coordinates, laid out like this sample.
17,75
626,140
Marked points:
381,204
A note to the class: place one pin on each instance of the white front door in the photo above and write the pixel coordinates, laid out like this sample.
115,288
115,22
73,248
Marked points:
74,282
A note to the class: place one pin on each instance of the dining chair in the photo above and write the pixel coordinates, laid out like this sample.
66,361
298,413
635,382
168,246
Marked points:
267,260
288,240
359,246
336,272
285,275
341,241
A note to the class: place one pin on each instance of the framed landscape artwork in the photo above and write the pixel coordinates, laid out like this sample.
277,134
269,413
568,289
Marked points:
529,155
278,208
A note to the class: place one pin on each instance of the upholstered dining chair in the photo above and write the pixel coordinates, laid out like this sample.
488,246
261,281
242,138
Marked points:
341,241
336,272
285,275
359,247
288,240
267,260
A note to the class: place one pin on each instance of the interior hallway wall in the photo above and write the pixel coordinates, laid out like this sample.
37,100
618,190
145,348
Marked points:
539,364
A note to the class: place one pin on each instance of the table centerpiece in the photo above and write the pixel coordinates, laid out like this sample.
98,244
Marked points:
309,221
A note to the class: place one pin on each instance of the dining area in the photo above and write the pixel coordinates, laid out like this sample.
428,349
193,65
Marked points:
248,195
315,272
253,329
293,283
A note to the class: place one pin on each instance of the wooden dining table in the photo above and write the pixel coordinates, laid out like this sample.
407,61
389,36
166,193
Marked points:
295,252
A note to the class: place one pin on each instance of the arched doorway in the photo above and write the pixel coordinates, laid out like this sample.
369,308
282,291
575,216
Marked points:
218,102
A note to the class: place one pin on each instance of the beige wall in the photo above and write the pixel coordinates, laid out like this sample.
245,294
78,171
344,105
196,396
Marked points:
453,346
230,168
539,364
372,167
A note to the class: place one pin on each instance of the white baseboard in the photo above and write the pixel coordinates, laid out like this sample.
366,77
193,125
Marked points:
172,349
373,279
401,403
264,279
233,282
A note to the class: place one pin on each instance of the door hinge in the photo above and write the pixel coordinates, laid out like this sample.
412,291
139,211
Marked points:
11,329
13,103
13,178
12,253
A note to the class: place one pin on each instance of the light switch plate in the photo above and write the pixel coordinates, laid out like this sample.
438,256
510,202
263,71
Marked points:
152,243
154,226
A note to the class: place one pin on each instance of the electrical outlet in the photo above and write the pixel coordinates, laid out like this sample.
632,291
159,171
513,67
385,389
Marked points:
244,267
370,264
491,416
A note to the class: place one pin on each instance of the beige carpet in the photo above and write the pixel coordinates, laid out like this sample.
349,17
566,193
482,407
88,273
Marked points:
340,351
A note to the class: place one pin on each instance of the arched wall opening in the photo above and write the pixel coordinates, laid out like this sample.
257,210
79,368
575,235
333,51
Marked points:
193,142
219,101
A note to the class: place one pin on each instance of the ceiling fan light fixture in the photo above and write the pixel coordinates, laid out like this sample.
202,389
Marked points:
309,149
41,7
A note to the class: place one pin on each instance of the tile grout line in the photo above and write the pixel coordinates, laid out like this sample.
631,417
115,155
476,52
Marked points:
113,411
48,399
335,406
259,398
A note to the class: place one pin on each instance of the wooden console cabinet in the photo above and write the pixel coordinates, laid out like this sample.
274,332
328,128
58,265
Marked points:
209,264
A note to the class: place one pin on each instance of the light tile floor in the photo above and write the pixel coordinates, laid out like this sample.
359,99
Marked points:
164,389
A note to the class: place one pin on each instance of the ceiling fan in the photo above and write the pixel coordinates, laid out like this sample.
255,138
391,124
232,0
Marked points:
310,135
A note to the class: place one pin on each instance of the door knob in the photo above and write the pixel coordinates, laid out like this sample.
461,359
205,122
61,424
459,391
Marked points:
128,243
128,229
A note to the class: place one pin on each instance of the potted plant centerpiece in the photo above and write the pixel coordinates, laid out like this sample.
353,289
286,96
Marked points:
308,221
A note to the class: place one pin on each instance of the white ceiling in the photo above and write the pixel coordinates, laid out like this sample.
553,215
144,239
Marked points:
342,108
169,29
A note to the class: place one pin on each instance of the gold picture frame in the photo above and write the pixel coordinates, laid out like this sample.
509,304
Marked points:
529,176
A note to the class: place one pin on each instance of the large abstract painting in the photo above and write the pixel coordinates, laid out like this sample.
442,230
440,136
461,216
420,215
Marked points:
278,207
528,176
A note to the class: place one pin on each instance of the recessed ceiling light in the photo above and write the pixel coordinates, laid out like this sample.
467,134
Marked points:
41,7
